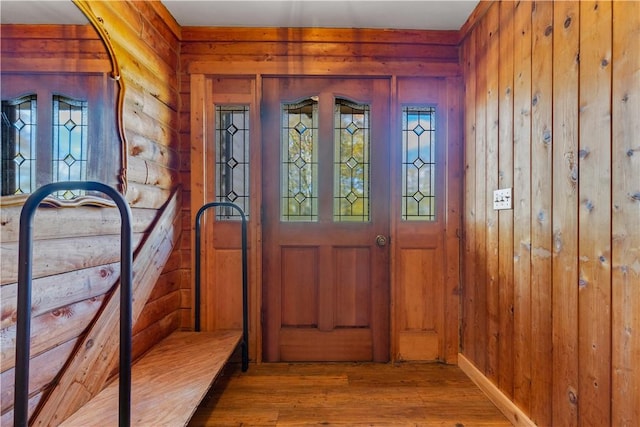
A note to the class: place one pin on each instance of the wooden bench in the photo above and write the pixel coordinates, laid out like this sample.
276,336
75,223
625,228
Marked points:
167,384
170,381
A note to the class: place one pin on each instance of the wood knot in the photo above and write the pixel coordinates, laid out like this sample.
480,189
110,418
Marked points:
589,205
548,31
625,98
630,152
567,22
574,175
604,62
89,344
573,399
546,137
584,153
636,196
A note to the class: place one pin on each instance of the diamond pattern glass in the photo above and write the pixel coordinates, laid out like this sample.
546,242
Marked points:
18,160
351,162
418,163
69,156
299,169
232,159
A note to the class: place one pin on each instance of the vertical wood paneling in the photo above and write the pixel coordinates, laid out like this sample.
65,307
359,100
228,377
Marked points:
493,300
594,189
574,126
626,214
505,180
469,261
565,211
453,242
480,254
541,168
521,204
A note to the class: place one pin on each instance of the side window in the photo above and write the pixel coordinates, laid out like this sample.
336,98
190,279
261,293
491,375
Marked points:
232,159
59,131
419,163
19,151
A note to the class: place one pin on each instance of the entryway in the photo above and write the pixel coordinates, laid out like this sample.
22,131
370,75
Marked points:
352,185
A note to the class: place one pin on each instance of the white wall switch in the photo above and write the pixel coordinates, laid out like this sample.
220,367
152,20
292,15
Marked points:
502,199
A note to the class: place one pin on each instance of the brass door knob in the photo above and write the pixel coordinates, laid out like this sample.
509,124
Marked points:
381,240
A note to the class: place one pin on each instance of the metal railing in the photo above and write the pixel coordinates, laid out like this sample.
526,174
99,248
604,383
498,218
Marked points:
245,291
23,323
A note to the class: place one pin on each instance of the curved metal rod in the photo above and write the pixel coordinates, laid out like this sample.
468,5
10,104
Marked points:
23,327
245,275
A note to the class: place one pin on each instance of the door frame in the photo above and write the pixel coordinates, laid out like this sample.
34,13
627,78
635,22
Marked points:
201,77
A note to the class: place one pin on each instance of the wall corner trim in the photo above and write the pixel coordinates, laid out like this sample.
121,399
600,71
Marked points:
514,414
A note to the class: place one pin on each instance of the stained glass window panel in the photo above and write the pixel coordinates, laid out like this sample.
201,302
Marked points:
351,162
299,176
418,163
70,123
18,145
232,159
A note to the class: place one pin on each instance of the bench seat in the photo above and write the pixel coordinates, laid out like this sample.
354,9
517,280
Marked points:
167,383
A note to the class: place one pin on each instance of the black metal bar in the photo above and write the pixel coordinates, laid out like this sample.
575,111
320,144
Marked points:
245,277
23,327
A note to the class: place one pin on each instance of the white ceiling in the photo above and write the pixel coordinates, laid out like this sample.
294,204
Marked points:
403,14
398,14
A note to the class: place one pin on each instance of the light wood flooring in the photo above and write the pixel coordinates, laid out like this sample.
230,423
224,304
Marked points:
353,394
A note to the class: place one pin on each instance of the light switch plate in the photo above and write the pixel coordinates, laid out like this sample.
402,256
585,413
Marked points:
502,199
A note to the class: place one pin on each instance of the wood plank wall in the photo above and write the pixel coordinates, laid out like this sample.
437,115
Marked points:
551,289
70,287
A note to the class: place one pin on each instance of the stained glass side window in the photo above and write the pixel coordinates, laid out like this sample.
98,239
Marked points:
351,162
70,124
418,163
232,159
299,179
18,145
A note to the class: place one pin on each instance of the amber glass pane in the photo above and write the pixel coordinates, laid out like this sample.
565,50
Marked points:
299,179
232,159
18,145
418,163
351,162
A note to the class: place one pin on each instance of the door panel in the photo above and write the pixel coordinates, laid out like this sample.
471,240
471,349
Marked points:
419,227
325,280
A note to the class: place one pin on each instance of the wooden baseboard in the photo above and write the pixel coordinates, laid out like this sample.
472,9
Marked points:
504,404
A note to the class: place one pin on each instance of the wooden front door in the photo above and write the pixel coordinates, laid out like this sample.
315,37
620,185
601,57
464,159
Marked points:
325,219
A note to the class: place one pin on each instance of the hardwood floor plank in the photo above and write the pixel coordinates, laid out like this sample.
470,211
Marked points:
354,394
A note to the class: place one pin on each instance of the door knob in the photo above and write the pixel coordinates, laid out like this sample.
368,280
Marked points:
381,240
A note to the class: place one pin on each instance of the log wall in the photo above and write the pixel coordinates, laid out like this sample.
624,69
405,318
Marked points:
551,289
76,250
